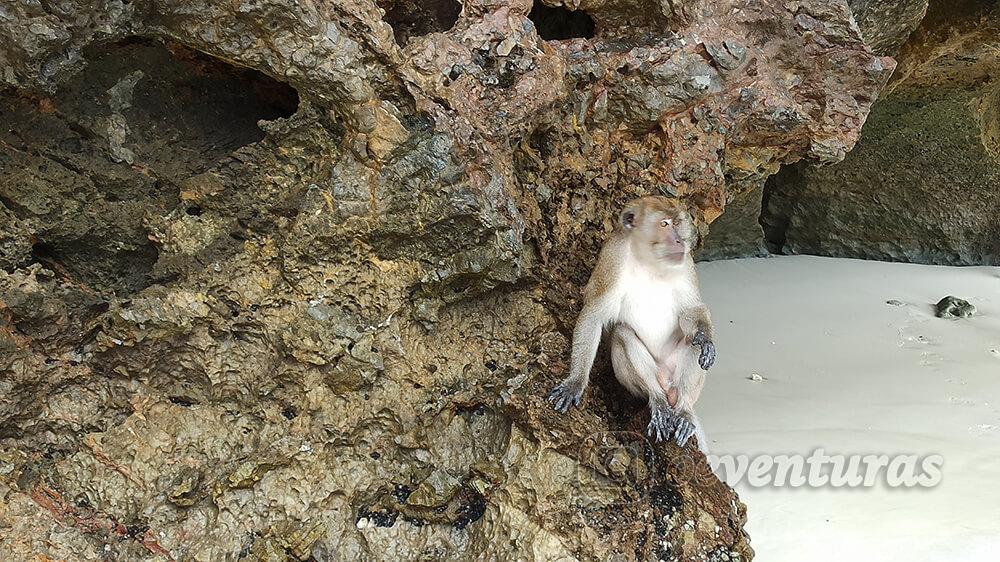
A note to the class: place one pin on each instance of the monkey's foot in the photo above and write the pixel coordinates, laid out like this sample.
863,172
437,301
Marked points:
662,421
684,428
566,395
707,357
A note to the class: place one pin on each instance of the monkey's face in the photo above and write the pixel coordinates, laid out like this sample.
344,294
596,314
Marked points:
659,228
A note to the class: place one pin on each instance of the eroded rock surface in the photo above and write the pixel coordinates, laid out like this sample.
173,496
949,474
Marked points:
921,186
887,24
290,280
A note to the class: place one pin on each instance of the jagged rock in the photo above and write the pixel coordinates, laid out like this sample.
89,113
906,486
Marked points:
921,186
737,233
305,270
15,241
953,308
886,24
185,489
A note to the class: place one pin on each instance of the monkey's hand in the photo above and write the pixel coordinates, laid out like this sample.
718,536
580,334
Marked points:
707,357
566,394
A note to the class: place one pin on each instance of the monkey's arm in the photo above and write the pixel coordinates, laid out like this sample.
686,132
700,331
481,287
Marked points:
598,309
586,339
696,324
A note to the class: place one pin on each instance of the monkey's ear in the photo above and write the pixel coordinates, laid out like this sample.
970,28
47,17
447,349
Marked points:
627,219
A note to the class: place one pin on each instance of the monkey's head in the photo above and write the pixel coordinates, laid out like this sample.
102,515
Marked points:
659,229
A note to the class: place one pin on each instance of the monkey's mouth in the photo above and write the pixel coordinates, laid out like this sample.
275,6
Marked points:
674,257
672,251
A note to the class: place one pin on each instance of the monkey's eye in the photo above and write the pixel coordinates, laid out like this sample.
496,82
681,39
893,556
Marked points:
666,222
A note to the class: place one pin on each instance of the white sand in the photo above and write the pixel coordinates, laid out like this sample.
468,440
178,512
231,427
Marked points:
847,372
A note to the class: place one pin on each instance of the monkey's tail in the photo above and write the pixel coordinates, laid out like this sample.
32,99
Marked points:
699,434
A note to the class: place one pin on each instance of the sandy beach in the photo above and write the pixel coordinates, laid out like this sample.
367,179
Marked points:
812,356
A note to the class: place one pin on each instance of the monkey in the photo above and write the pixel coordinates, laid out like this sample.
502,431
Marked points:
644,293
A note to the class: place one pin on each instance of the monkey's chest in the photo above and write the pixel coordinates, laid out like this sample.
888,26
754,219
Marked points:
650,308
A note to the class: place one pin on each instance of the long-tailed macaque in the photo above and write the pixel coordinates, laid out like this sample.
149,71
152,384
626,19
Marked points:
644,292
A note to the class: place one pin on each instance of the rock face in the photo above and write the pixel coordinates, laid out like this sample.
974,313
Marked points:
290,280
886,24
921,186
737,233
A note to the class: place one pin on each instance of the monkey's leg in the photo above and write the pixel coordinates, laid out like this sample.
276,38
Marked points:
637,370
688,381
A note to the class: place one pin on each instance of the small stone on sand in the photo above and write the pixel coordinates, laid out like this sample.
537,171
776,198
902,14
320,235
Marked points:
954,307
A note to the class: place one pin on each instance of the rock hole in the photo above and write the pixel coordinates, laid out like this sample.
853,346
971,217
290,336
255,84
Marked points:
115,141
182,401
775,218
176,102
134,531
44,254
560,23
471,509
414,18
124,269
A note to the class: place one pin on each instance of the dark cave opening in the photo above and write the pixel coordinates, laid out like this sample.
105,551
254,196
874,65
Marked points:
123,270
414,18
561,23
114,143
176,99
773,224
44,254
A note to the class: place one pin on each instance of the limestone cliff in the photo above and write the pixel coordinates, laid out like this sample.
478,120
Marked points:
921,186
290,279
